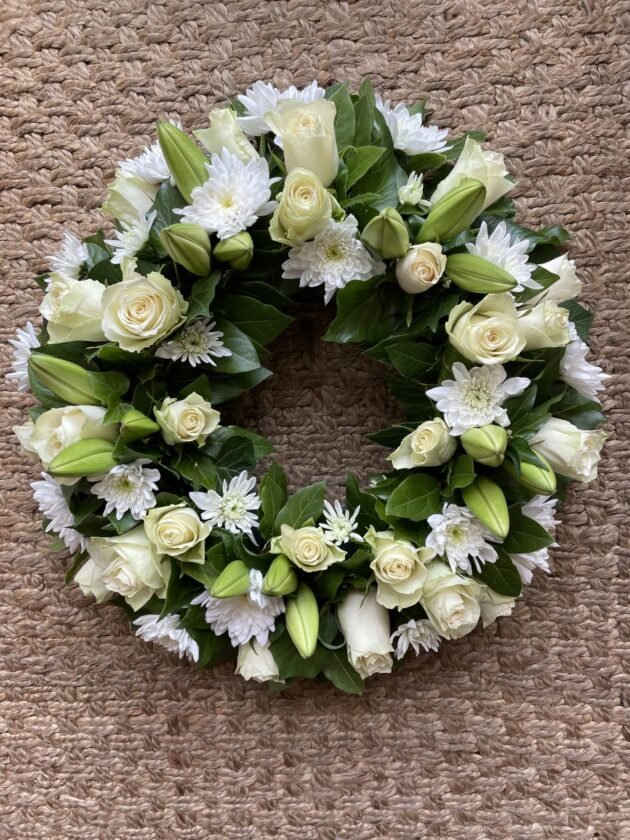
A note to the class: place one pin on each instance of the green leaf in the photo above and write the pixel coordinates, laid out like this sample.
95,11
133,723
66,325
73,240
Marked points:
261,445
290,663
423,162
340,672
581,317
462,474
520,406
416,498
235,455
392,436
213,649
438,307
244,357
306,504
202,295
197,467
226,388
412,397
364,119
412,359
179,592
385,178
525,534
456,146
501,576
207,573
166,201
359,160
357,498
519,451
259,321
366,311
273,496
344,117
582,412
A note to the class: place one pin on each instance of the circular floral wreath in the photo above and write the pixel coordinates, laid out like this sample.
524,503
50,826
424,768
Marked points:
147,333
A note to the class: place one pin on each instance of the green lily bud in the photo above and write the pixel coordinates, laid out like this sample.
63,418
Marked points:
539,479
486,501
476,274
486,445
303,621
188,245
68,381
233,580
91,456
281,578
135,425
387,234
237,250
454,212
185,160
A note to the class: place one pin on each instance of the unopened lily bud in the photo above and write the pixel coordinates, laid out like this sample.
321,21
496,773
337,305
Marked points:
454,212
188,245
135,425
185,160
486,445
486,501
237,250
387,234
281,578
303,621
538,479
476,274
91,456
68,381
233,580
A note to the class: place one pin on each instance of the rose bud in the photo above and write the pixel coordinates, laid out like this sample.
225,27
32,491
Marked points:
387,234
486,445
188,245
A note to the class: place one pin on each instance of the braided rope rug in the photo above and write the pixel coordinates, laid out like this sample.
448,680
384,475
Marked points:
515,732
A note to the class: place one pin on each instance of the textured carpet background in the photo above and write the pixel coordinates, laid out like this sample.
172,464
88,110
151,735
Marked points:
515,732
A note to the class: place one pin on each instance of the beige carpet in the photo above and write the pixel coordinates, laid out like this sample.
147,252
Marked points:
516,732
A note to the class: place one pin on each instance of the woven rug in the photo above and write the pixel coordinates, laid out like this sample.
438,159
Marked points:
515,732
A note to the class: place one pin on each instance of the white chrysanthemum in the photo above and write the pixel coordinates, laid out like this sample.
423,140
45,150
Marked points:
198,343
167,632
334,258
475,397
412,191
150,165
233,197
542,509
25,340
587,379
131,239
244,617
128,487
409,135
232,509
415,634
262,98
458,536
502,250
339,524
52,504
68,260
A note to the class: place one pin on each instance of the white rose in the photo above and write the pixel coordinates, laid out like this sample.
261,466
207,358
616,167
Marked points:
129,198
307,548
487,332
428,446
225,133
545,325
189,420
365,627
420,268
138,313
569,450
450,601
178,531
304,208
90,579
481,164
73,309
399,568
492,605
567,286
307,131
256,662
131,566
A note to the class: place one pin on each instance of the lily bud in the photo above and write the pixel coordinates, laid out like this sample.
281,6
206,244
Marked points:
185,160
280,578
486,501
387,234
303,621
476,274
237,250
91,456
68,381
233,580
135,425
539,479
188,245
454,212
486,445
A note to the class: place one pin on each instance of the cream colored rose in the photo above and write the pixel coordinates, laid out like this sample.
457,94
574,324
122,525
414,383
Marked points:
487,332
450,601
189,420
481,164
303,210
90,579
73,309
569,450
225,133
178,531
567,286
139,313
307,548
420,268
365,627
256,662
129,198
545,325
492,605
307,131
399,568
428,446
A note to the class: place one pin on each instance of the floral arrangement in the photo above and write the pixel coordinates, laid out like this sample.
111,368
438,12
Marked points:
148,333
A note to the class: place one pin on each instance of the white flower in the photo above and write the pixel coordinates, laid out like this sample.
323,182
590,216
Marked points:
511,254
415,634
408,133
167,632
233,509
334,258
262,98
587,379
457,535
52,504
196,344
542,509
68,260
25,340
131,239
233,197
149,165
128,487
527,562
340,524
475,397
412,191
243,617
